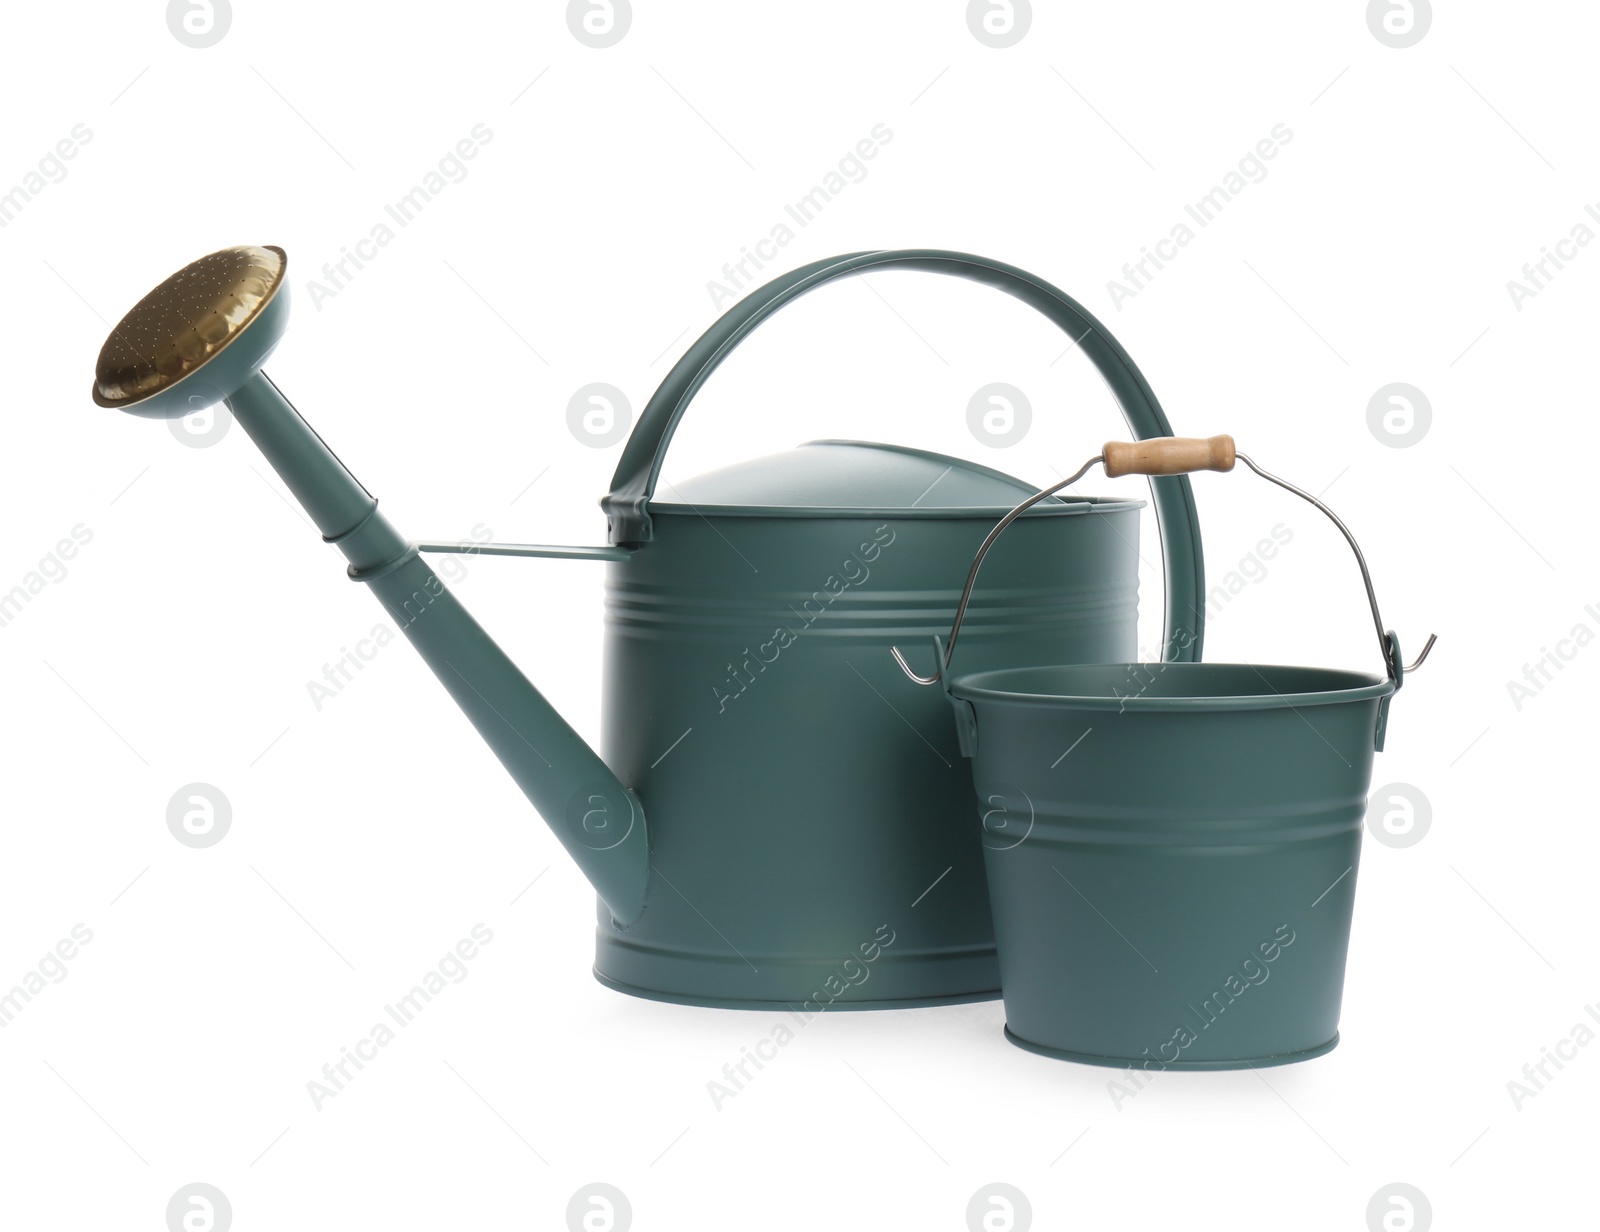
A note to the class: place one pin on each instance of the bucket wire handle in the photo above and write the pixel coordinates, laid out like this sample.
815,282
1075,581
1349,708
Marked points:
1172,455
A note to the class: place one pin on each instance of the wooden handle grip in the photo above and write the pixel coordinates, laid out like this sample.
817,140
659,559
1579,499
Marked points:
1168,455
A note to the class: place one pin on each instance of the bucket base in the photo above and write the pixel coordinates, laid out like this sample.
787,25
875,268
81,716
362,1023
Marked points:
730,1003
1090,1058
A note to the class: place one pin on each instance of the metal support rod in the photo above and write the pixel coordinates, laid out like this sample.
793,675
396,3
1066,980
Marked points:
553,551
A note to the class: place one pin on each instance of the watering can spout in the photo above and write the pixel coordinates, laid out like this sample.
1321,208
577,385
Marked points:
168,358
597,820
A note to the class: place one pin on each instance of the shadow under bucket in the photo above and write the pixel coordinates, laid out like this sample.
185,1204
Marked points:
1171,851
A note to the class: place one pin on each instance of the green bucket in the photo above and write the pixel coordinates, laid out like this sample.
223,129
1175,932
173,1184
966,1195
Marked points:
1171,848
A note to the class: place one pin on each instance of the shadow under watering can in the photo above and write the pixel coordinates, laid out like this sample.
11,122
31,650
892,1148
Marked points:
779,817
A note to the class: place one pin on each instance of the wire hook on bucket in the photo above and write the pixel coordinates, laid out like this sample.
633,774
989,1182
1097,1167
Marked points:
1168,456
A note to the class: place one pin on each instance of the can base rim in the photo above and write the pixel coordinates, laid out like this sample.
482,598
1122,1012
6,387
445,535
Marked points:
1091,1058
730,1003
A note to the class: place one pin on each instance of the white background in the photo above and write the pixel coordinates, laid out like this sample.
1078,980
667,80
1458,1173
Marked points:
369,836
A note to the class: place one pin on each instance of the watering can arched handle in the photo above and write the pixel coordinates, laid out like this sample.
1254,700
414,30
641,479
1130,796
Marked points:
627,505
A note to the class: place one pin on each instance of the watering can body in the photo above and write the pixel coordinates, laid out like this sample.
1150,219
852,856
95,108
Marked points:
810,815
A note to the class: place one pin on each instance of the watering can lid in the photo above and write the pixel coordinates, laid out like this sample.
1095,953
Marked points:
836,476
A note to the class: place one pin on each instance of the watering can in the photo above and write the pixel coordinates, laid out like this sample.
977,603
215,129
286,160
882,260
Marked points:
778,817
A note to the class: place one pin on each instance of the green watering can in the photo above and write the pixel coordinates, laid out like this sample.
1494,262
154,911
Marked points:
779,818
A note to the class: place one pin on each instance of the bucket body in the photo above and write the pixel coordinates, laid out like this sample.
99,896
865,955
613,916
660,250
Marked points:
1171,852
810,812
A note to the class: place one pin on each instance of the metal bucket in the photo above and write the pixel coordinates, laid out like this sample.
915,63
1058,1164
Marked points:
1171,848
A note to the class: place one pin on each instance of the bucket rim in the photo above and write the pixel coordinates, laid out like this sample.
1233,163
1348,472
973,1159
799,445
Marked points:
1002,685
